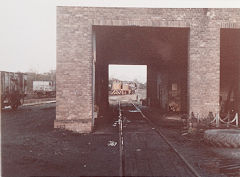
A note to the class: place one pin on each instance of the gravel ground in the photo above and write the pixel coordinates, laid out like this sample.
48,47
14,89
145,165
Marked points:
201,156
31,147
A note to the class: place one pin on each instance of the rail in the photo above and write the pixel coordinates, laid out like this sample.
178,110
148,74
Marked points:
121,150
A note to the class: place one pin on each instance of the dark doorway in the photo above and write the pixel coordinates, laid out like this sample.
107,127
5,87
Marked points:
229,70
163,50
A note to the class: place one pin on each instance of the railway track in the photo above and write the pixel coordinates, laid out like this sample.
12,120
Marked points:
165,139
150,124
120,120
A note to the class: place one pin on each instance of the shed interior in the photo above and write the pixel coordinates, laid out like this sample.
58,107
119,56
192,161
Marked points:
165,52
229,70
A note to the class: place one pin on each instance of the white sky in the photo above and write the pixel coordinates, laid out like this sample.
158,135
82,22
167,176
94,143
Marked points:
128,72
28,27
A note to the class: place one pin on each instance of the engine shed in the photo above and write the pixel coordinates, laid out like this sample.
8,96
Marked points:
191,57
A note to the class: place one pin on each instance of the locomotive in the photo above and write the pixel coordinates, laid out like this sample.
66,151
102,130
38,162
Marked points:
123,87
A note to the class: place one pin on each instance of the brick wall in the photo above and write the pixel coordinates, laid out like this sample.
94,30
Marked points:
74,54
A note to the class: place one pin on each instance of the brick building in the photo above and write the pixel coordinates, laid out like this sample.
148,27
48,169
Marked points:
195,51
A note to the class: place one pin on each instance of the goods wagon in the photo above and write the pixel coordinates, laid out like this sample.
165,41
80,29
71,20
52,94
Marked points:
44,88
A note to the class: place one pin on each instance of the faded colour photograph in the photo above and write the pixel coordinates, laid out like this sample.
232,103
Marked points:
108,90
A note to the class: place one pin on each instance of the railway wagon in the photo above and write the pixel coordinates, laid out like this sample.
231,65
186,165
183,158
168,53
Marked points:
13,89
44,88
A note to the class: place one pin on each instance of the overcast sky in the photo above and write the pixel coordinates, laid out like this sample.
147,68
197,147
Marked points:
28,27
128,72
